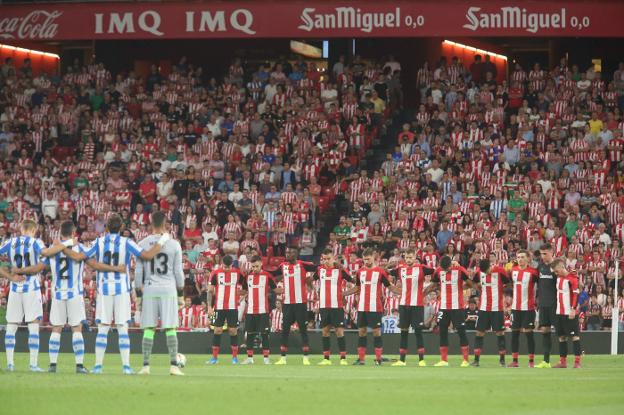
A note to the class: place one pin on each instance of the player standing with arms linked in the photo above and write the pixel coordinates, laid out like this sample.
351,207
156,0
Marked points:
567,317
452,277
410,277
547,296
369,283
113,299
25,302
331,279
159,284
492,280
258,284
523,279
224,283
67,294
295,281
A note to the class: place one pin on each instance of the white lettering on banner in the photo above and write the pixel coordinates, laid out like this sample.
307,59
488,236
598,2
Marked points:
354,18
516,18
38,24
239,19
148,21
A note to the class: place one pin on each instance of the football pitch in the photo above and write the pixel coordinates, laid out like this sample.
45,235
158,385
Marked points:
295,389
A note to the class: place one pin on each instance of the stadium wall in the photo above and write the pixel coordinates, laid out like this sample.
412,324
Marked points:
200,343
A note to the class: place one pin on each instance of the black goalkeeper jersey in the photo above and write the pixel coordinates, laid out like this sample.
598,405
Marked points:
547,287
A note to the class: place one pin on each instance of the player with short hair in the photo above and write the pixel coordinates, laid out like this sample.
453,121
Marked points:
523,278
331,310
492,279
452,277
410,276
369,282
159,284
67,305
547,296
257,284
24,303
567,316
294,309
224,283
113,297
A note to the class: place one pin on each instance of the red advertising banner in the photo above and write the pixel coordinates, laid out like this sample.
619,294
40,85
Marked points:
311,19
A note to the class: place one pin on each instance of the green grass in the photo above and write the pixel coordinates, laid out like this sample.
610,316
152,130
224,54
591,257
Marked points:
294,389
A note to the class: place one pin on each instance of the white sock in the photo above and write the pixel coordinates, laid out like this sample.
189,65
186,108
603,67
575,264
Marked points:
124,344
9,342
78,345
33,342
100,344
54,346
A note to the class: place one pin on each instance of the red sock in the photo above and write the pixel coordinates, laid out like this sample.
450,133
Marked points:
362,353
284,350
421,353
343,355
577,360
305,350
403,352
465,352
531,357
514,355
215,351
265,352
444,353
501,354
249,352
477,352
378,352
326,354
234,351
563,360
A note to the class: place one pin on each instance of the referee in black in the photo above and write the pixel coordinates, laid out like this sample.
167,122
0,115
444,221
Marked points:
547,297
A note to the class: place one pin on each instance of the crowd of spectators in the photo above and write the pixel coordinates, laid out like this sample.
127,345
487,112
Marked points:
245,165
242,166
487,168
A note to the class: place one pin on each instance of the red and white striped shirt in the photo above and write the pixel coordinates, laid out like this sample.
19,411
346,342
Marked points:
492,289
524,288
294,279
451,287
330,286
567,292
225,282
412,284
186,316
258,286
371,281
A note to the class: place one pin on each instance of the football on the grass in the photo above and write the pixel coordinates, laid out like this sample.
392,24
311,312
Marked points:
181,360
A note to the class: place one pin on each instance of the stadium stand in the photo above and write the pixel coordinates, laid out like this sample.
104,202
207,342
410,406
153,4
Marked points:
270,158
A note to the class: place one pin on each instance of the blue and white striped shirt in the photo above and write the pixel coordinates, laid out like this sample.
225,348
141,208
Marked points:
24,251
66,275
113,249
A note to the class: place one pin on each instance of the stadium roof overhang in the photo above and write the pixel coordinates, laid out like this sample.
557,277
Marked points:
309,19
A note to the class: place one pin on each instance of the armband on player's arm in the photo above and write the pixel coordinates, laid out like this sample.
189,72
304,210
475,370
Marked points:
139,292
180,296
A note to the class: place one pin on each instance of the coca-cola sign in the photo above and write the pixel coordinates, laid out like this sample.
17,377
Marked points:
314,19
36,25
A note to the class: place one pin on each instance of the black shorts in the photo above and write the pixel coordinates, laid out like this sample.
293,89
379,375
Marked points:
332,317
370,319
411,316
607,323
487,320
457,317
547,317
567,327
294,313
257,323
229,316
522,319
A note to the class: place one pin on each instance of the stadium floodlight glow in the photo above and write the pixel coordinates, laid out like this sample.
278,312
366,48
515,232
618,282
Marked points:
30,51
473,49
